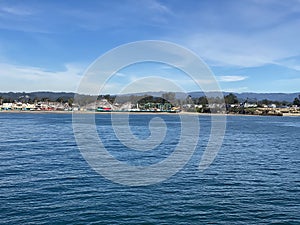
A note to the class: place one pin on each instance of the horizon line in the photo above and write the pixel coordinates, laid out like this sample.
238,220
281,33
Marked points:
223,91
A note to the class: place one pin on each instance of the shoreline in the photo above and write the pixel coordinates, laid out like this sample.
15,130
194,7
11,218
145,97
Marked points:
141,113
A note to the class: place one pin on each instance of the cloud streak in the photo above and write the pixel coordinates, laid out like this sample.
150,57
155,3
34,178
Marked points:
16,11
23,78
231,78
255,35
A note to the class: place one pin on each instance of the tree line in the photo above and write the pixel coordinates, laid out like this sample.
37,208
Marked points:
36,100
168,97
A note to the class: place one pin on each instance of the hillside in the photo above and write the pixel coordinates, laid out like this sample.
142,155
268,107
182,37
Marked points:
53,96
289,97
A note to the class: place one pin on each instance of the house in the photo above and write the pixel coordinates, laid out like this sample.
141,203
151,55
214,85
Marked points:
7,106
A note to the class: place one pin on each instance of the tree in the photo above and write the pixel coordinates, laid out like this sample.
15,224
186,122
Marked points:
45,99
30,101
110,98
189,99
60,99
296,101
231,99
169,96
201,100
70,101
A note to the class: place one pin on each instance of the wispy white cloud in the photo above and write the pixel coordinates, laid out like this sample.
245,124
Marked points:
25,17
119,74
227,49
256,34
23,78
133,14
236,90
16,11
231,78
157,6
290,62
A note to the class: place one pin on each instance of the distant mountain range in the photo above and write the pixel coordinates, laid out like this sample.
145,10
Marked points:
289,97
53,96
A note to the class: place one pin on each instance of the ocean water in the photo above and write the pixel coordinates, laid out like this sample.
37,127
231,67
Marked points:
255,178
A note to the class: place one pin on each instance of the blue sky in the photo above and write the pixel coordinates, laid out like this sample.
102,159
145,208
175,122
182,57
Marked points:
250,45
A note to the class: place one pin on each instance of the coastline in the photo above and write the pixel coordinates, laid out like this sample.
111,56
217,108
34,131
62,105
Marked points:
140,113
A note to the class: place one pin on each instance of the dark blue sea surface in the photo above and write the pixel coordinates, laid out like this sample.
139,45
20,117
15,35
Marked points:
255,178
